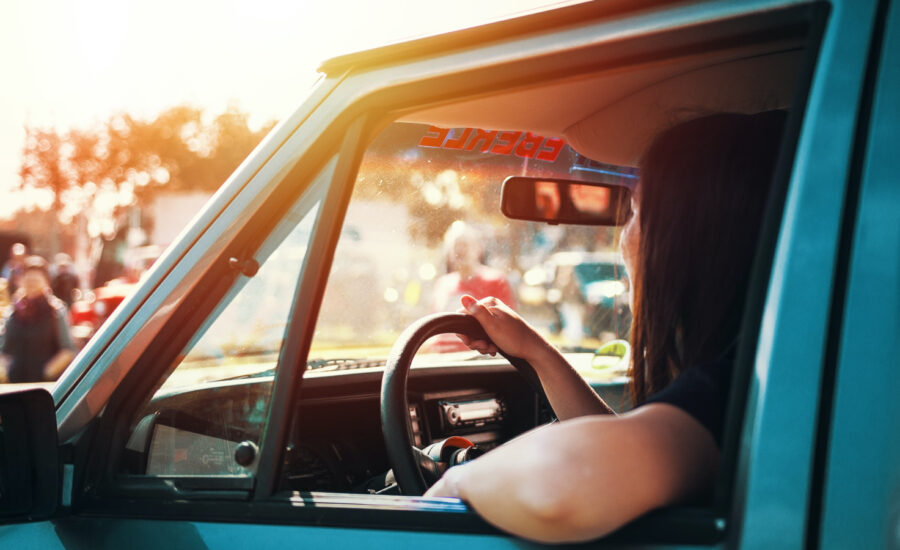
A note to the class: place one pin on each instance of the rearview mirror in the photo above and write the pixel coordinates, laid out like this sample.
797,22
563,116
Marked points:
563,201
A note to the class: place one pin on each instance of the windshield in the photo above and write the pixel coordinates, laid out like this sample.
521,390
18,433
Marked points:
424,227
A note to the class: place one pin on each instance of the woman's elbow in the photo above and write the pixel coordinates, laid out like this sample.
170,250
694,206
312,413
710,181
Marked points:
555,520
547,514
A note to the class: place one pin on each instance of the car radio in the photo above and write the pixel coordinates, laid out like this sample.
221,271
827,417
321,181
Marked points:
472,413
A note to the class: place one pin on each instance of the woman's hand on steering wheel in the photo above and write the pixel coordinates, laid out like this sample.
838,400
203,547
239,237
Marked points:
507,331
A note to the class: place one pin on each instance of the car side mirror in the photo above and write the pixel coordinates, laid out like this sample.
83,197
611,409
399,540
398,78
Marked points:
29,456
558,201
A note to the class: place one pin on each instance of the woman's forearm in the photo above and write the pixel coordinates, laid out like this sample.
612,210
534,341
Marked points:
569,394
582,479
555,485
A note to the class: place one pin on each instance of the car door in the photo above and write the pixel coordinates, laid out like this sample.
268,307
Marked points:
776,489
857,483
306,169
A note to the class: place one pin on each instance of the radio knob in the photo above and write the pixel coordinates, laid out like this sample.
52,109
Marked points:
453,416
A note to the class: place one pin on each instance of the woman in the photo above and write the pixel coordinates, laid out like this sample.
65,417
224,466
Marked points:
688,248
36,338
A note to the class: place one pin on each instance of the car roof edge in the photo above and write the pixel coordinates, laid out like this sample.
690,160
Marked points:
547,18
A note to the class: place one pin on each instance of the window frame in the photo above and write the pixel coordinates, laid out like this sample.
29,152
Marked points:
99,452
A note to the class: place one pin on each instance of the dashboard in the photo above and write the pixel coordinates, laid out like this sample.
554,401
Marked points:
335,442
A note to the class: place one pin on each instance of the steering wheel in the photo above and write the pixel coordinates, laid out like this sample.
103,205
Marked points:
403,457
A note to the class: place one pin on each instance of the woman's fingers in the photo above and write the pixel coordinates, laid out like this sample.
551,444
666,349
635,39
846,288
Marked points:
481,346
505,329
478,308
485,310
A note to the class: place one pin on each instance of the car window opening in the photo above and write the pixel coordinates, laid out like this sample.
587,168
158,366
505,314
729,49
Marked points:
425,227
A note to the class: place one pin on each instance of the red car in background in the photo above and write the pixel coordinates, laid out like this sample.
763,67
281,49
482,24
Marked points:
92,310
89,312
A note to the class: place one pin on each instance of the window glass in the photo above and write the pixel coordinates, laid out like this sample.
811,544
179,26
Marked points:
215,401
424,226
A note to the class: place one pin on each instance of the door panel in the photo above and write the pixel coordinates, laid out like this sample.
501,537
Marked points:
136,534
861,483
778,439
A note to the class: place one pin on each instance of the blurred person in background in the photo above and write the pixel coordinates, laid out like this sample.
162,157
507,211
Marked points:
466,275
5,299
466,272
12,269
571,304
36,340
65,282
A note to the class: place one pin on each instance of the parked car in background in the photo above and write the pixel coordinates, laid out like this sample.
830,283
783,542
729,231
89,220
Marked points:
89,312
589,290
93,307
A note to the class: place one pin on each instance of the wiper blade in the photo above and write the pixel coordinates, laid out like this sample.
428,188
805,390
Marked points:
260,374
319,364
344,364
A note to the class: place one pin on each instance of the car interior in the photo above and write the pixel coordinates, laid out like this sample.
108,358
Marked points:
606,114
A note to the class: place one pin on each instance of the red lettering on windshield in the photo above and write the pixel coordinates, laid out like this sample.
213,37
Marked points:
484,138
458,143
529,145
434,137
495,142
505,143
550,150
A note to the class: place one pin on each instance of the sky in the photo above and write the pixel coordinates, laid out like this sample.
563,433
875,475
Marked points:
67,64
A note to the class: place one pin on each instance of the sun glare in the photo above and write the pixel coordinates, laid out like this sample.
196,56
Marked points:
73,65
101,28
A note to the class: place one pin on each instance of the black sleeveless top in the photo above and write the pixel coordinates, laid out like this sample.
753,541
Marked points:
702,392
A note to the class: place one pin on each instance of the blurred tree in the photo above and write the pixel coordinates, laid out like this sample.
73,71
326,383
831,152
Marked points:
45,166
96,172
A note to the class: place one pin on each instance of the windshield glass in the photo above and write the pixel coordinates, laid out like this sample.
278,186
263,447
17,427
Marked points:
424,227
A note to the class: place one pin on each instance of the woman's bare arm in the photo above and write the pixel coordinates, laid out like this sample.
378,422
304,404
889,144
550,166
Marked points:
584,478
569,394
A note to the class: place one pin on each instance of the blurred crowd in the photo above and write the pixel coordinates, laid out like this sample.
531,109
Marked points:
36,343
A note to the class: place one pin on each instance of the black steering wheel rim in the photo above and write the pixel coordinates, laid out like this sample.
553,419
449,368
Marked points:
394,404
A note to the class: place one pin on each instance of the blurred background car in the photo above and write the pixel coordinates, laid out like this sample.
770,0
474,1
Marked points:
586,294
93,307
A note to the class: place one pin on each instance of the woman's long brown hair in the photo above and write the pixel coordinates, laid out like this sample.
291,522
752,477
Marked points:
702,192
